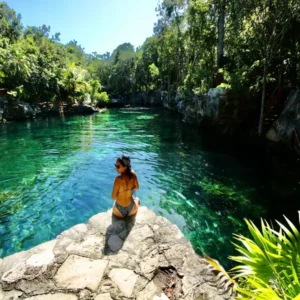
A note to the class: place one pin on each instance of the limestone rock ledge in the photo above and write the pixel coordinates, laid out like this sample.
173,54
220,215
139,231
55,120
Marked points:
143,258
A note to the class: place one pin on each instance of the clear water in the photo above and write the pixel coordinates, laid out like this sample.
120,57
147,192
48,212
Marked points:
58,172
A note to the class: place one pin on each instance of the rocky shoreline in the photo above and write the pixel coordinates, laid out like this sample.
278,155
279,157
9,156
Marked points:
219,109
145,257
22,111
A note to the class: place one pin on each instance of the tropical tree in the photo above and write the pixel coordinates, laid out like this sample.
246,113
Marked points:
221,6
122,77
73,83
255,45
10,23
76,54
201,46
99,70
16,66
154,73
147,56
171,15
266,23
95,88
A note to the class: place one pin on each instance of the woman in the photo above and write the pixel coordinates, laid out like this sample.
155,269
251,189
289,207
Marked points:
124,186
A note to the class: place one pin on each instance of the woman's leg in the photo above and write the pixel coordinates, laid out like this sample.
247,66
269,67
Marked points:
135,206
116,212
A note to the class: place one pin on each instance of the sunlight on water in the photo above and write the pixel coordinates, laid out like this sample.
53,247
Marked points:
58,172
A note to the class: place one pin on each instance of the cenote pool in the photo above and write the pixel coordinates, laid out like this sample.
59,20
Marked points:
58,172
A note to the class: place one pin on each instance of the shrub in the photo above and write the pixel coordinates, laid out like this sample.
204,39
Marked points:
102,99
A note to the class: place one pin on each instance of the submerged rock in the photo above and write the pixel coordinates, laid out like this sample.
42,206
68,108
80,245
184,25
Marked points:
144,257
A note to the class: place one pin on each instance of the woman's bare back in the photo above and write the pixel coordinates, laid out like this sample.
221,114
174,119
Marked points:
123,189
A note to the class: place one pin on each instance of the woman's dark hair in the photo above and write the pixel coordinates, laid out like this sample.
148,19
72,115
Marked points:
125,162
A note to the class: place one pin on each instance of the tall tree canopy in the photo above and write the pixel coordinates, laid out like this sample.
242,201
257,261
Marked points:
250,47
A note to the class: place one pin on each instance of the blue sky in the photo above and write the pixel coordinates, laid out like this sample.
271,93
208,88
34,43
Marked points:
98,25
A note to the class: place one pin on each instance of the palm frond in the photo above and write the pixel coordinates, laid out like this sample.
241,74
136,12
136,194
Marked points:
270,262
261,291
222,280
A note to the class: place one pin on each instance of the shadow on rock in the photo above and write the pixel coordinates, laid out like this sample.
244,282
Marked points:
116,234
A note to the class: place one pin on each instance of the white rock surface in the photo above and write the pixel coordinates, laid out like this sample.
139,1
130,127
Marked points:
105,296
125,280
40,259
10,295
149,292
161,297
107,259
58,296
80,272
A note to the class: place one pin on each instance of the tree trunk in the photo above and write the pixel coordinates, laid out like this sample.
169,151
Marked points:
195,55
293,57
263,96
169,85
221,26
179,49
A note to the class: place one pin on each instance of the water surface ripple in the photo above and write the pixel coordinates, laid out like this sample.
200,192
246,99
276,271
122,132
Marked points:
58,172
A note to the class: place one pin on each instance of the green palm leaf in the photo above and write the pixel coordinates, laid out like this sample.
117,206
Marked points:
270,263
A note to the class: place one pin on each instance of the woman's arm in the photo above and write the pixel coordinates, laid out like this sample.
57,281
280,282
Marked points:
135,181
116,187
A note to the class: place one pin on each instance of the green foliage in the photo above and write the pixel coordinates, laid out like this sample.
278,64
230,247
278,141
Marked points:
10,23
102,99
123,76
154,72
95,88
99,70
224,85
270,261
235,81
17,93
73,82
122,52
16,64
261,47
75,53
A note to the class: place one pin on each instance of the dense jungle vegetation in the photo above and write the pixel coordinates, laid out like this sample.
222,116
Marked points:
251,47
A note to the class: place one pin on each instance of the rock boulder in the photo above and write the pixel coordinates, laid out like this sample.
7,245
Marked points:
143,257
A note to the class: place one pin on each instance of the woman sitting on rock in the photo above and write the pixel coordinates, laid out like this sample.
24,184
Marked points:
123,189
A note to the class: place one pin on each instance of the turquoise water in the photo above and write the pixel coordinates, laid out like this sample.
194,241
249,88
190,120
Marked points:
58,172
